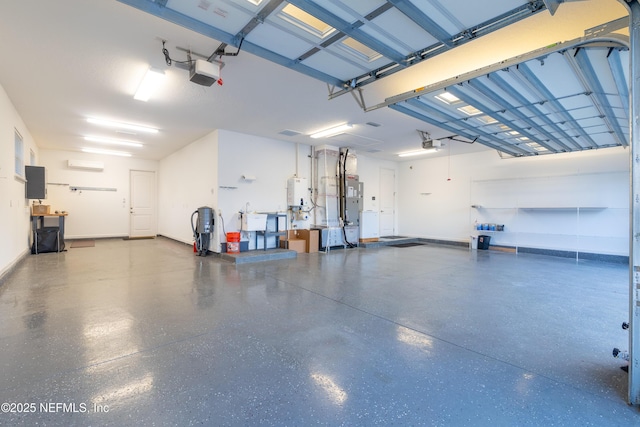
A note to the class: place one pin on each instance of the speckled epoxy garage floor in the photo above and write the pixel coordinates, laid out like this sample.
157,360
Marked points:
145,333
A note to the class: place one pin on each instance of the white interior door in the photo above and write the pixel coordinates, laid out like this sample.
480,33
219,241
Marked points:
387,202
142,222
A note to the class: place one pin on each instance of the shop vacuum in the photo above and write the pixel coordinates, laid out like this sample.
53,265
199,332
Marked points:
202,229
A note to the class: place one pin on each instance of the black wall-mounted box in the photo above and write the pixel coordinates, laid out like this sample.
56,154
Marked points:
36,187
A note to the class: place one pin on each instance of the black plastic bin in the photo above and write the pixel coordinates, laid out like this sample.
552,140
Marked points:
483,242
47,239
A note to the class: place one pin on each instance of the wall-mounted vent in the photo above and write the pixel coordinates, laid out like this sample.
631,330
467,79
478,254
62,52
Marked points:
349,139
374,124
85,164
289,132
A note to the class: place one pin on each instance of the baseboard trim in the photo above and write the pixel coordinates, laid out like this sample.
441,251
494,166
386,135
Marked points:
13,265
618,259
444,242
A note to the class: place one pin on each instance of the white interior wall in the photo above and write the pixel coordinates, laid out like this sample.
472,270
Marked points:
271,162
14,209
188,179
209,172
369,173
431,206
92,214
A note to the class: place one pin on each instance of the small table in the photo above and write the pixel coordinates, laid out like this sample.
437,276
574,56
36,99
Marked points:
41,217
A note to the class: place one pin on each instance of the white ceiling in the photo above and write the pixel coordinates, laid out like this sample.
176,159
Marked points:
66,60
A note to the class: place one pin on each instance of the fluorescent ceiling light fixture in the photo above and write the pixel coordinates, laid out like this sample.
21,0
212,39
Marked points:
504,127
448,98
113,141
513,133
470,110
120,125
256,2
107,152
150,84
332,131
418,152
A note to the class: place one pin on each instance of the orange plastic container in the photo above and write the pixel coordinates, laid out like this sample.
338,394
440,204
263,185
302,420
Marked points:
233,242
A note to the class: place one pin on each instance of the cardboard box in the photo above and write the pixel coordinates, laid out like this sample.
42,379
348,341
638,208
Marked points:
297,245
311,238
40,209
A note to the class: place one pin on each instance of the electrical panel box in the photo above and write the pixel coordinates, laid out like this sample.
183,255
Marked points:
36,187
297,192
353,200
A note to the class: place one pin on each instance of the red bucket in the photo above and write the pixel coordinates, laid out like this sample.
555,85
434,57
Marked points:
233,242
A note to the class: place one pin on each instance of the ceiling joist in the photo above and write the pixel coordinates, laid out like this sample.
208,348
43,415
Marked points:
387,36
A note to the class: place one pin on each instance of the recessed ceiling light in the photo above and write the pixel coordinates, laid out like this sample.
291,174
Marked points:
120,125
113,141
107,152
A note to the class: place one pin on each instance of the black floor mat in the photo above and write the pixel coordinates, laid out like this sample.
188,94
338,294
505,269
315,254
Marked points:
406,245
393,237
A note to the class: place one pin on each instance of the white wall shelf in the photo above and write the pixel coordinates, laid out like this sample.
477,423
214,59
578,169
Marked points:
572,213
574,229
560,208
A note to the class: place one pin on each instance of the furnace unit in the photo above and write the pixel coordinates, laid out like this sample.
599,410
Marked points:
337,196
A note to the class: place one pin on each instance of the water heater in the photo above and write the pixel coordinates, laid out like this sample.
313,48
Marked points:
297,191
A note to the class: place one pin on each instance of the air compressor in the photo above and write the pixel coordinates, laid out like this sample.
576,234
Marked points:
202,229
